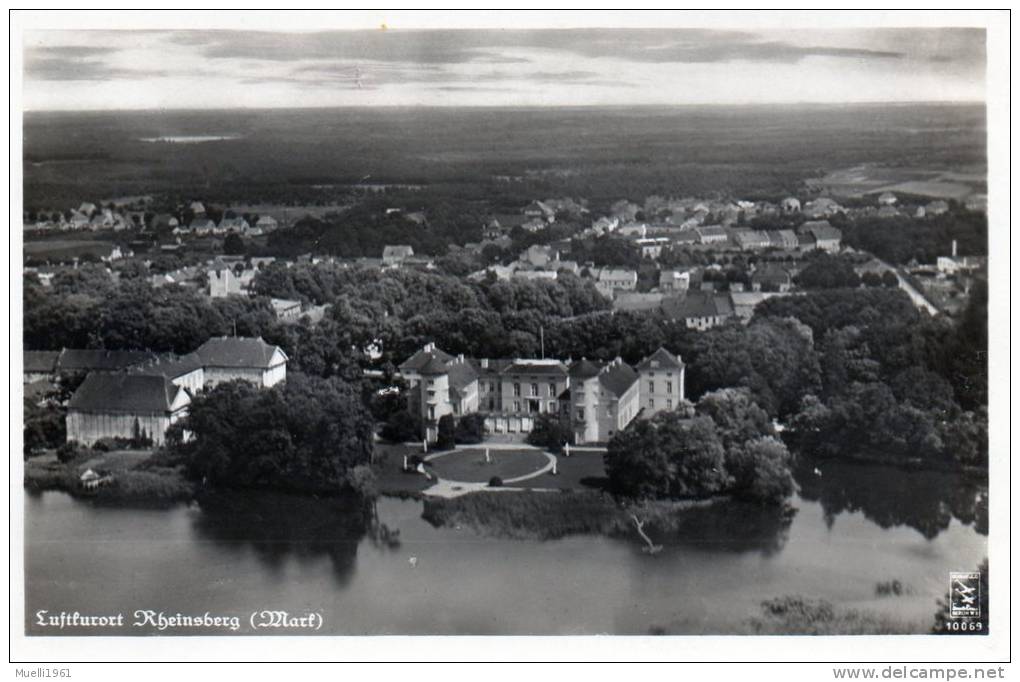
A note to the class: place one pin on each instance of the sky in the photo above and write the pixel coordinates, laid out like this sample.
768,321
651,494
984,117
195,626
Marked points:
216,69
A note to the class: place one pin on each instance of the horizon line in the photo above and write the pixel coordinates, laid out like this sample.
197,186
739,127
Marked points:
688,105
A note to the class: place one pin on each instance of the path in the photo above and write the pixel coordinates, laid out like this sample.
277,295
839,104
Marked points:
918,298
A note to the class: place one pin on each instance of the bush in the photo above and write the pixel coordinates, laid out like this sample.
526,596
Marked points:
447,437
402,427
551,432
470,429
70,451
495,482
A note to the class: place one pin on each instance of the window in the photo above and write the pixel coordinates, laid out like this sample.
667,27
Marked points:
517,390
669,403
432,412
431,382
492,386
534,390
651,387
456,408
431,394
669,387
651,403
552,390
492,404
580,415
517,406
552,405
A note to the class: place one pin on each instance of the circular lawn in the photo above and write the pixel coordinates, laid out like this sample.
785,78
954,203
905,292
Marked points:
469,466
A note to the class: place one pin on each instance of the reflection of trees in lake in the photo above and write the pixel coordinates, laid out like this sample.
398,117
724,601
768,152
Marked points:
729,526
279,526
926,501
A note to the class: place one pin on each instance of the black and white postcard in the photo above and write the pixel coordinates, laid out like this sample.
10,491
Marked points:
607,328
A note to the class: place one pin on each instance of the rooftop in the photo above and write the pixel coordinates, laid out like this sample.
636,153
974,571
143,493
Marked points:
131,393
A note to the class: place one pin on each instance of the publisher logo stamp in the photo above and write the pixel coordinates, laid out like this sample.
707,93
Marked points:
964,595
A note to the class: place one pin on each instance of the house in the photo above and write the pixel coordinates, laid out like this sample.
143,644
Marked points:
79,221
750,240
744,303
699,309
540,256
286,309
977,202
822,207
605,224
121,405
395,255
535,275
635,301
540,210
712,234
671,281
202,226
184,371
826,237
888,212
266,223
661,382
782,239
87,208
609,280
439,385
651,247
252,359
501,224
790,205
197,208
164,222
771,277
603,399
598,400
236,224
40,365
223,282
886,199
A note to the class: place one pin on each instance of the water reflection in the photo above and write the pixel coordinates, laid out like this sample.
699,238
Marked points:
279,526
728,526
926,501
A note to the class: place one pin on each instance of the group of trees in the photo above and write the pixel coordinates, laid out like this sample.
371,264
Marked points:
724,444
307,434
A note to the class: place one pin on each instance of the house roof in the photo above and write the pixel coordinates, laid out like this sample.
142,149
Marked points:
617,377
227,351
826,232
398,251
771,272
660,359
434,367
172,366
584,369
697,304
41,361
86,360
531,367
421,358
131,393
461,374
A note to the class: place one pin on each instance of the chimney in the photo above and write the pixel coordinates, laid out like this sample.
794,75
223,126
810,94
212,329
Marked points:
429,347
485,363
954,248
460,358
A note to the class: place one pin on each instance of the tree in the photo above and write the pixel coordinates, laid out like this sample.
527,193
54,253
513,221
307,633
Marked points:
446,438
402,427
761,470
305,434
667,456
737,417
470,429
233,244
551,431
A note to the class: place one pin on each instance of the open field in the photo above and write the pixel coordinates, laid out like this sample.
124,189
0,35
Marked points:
470,466
312,157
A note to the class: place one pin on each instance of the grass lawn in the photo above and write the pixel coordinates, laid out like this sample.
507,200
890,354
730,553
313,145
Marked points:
388,465
580,471
470,466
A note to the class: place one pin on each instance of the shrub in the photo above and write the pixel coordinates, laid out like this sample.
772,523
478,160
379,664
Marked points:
447,437
470,429
402,427
70,451
551,432
495,482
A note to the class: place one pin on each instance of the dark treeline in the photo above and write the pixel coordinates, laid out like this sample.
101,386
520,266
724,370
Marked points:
853,372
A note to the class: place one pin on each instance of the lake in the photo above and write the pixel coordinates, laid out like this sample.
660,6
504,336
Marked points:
390,572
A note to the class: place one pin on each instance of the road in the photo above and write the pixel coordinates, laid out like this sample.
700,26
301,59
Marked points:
916,296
